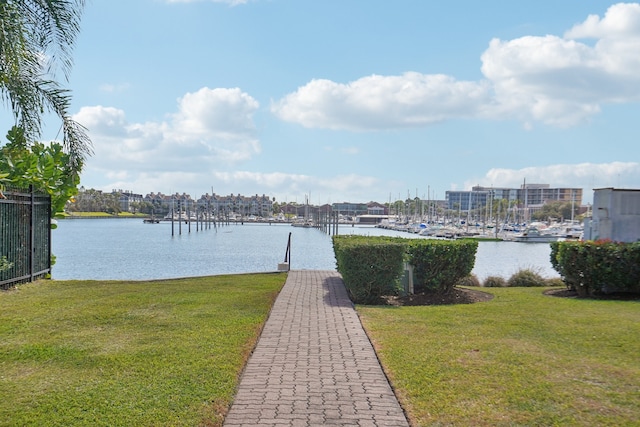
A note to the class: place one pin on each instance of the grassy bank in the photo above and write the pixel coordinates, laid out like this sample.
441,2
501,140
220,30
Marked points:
103,215
128,353
522,358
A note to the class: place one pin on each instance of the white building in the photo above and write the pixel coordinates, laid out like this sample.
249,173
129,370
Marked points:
616,215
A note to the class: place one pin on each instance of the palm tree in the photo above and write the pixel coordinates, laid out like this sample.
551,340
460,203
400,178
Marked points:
36,38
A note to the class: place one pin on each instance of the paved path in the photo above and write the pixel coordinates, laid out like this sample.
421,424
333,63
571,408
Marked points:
313,364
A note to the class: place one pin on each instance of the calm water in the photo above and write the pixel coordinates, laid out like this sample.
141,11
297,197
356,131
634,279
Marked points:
130,249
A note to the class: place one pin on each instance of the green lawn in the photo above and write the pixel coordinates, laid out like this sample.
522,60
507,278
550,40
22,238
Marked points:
103,215
161,353
522,359
169,353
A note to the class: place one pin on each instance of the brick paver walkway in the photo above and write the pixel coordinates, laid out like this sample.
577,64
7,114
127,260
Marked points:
313,364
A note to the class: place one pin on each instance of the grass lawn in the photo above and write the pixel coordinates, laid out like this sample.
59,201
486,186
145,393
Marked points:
161,353
104,215
522,358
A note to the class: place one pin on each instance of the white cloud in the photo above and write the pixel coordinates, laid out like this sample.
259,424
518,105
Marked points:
211,128
558,81
195,151
151,181
582,175
379,102
545,79
282,185
215,113
103,120
561,81
620,20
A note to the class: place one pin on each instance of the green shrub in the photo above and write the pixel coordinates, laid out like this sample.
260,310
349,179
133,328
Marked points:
494,282
439,264
526,278
553,256
554,281
598,267
470,280
371,267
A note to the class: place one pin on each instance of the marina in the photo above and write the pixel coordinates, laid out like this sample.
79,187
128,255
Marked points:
536,232
128,249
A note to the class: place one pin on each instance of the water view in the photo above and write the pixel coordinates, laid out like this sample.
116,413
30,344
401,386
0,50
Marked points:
128,249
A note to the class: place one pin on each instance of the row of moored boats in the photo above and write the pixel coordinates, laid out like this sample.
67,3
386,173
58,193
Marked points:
535,232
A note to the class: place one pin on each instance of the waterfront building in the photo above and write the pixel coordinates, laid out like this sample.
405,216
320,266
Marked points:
375,208
616,215
292,209
126,198
350,209
159,202
164,204
233,204
259,206
530,197
466,200
357,209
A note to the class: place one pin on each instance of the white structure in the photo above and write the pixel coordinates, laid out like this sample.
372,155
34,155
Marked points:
616,215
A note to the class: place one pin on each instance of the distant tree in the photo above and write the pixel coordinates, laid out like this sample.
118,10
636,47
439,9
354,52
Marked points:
501,209
554,210
143,207
87,200
91,200
112,203
398,206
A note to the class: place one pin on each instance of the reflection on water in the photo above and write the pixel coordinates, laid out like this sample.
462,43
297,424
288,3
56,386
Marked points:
129,249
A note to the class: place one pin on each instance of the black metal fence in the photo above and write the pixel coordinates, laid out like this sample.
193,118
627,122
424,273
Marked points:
25,236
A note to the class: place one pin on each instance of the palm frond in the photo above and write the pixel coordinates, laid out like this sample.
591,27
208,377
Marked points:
36,37
54,26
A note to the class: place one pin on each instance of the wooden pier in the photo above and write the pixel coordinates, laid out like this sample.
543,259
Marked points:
326,222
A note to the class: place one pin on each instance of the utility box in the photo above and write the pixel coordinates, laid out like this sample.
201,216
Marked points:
407,279
616,215
283,266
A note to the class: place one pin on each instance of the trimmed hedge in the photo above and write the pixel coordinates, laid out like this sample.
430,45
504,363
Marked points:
439,264
371,267
598,267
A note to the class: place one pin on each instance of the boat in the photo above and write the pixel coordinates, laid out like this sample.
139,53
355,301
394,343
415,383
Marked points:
151,220
304,224
176,217
574,232
533,235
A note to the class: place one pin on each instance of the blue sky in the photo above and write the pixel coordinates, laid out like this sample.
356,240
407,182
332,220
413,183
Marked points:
358,100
